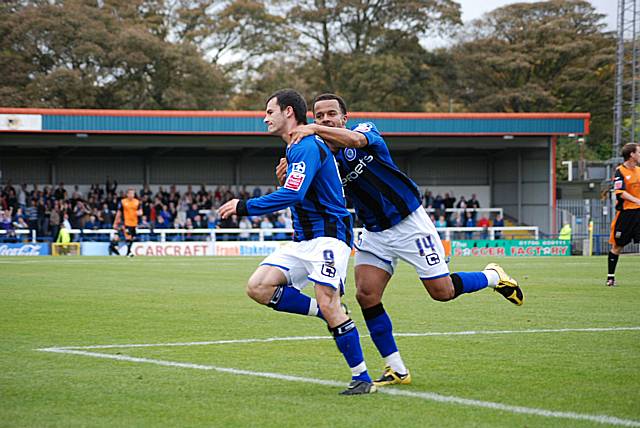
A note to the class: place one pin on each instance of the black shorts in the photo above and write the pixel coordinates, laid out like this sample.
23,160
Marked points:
625,228
130,232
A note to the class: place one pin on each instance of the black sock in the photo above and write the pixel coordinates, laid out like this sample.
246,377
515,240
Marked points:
613,261
129,244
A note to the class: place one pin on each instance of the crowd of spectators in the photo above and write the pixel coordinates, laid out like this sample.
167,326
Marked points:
47,209
465,216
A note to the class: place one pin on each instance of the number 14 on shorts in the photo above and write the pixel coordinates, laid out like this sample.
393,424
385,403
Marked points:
425,245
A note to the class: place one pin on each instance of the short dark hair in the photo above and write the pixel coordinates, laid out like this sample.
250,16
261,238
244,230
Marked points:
295,100
628,149
326,97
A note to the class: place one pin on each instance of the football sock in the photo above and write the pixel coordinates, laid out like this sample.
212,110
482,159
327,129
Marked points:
348,342
290,299
613,261
468,282
129,244
381,331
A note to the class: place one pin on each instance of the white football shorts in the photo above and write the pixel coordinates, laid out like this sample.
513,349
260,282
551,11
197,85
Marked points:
414,240
321,260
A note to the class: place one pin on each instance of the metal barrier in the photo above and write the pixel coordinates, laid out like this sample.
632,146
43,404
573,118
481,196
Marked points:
267,234
21,232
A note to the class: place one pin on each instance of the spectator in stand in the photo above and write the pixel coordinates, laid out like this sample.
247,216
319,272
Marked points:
473,203
54,217
462,203
212,220
498,222
31,214
438,205
449,201
7,225
429,200
166,214
244,194
230,222
22,196
111,186
485,224
77,194
12,199
441,222
107,216
146,191
279,224
161,223
60,193
469,222
245,225
21,224
192,212
91,224
146,226
189,236
257,192
80,215
266,225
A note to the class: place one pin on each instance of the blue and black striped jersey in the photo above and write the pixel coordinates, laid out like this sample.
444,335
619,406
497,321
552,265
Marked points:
313,191
382,195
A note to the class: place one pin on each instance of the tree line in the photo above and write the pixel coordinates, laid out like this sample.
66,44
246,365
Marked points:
230,54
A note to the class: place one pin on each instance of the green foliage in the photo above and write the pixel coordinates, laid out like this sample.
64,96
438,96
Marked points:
79,54
540,57
79,301
552,56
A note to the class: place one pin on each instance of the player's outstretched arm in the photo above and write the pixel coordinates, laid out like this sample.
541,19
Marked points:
336,137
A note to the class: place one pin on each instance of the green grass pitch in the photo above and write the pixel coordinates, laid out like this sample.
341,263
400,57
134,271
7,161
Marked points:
76,302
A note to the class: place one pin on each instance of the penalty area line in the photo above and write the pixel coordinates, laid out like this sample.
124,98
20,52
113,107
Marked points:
429,396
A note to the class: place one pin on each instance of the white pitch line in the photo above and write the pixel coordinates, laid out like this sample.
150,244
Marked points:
301,338
429,396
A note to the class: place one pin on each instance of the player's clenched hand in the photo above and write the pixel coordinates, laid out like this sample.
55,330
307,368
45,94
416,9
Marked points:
281,171
299,132
228,209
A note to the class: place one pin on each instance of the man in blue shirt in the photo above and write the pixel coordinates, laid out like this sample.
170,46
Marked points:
322,236
396,227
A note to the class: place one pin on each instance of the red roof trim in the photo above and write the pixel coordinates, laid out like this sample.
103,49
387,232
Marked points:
390,134
246,113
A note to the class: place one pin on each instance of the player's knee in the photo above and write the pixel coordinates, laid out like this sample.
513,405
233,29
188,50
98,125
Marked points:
366,298
258,290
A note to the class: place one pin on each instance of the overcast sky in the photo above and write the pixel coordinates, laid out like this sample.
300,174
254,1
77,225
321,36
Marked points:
472,9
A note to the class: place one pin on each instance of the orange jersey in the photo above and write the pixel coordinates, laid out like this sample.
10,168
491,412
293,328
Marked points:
129,210
626,180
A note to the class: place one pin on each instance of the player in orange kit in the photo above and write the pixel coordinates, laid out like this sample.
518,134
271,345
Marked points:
129,209
626,225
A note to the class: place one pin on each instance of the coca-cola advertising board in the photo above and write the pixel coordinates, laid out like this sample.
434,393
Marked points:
24,250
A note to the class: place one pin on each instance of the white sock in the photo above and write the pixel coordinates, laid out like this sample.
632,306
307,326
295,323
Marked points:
313,308
359,369
492,277
395,362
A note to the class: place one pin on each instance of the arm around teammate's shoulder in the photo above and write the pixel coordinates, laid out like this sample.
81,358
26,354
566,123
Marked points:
336,137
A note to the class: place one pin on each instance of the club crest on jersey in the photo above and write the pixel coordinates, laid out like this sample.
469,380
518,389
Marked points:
350,154
294,181
363,127
298,167
617,185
